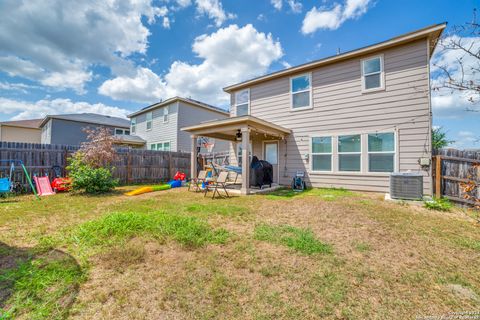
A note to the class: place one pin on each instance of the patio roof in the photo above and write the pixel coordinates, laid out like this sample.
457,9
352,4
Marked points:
226,129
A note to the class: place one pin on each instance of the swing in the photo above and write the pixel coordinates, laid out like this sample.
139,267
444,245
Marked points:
6,183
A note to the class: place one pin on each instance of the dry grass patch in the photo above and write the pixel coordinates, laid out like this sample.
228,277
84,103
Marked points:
325,253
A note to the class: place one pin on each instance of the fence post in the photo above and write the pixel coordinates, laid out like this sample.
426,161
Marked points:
129,167
438,176
170,165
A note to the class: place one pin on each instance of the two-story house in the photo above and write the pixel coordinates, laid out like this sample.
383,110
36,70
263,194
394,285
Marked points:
346,121
159,124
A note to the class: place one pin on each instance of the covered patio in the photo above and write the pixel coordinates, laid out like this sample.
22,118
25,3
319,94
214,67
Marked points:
238,130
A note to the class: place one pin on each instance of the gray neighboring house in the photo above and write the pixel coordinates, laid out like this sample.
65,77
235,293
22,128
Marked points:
159,124
67,129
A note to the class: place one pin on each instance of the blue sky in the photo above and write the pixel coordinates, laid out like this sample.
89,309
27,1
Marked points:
114,57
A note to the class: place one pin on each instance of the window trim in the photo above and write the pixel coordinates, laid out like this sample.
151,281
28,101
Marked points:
133,125
147,121
364,170
310,106
248,102
382,73
163,145
332,141
123,132
166,113
395,168
347,153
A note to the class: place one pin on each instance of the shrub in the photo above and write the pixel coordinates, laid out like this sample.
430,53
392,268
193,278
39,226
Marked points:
88,178
439,204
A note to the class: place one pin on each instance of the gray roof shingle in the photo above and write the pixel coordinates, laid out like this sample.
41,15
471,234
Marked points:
90,118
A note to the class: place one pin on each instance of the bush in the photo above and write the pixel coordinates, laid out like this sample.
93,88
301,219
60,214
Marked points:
88,178
439,204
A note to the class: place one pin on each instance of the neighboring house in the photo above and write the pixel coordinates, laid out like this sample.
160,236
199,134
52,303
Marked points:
346,121
21,131
68,129
159,124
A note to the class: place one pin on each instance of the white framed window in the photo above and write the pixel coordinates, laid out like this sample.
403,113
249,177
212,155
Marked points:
121,132
133,125
301,91
242,102
321,151
149,119
373,76
165,114
350,153
381,152
161,146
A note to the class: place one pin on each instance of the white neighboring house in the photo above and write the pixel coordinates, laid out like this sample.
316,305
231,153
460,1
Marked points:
159,124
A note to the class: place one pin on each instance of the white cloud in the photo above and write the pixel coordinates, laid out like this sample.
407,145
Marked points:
286,65
465,139
21,87
214,10
166,23
229,55
56,42
334,17
295,6
144,86
183,3
38,109
277,4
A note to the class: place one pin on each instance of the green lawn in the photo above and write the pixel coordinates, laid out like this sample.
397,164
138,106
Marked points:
324,253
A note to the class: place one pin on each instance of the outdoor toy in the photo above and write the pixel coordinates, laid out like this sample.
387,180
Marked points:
298,184
6,184
60,183
176,183
43,186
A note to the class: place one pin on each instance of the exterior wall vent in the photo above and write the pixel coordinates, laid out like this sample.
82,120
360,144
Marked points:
406,185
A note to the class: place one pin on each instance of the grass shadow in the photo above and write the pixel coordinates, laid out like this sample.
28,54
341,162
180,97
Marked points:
37,283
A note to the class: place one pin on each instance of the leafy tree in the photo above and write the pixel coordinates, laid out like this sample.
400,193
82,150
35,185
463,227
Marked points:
439,139
91,167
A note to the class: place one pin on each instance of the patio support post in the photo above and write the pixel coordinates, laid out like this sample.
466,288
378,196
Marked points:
245,161
193,159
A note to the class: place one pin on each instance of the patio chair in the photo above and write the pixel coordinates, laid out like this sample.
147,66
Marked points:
196,182
219,183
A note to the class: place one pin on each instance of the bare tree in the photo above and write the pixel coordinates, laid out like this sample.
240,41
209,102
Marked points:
459,67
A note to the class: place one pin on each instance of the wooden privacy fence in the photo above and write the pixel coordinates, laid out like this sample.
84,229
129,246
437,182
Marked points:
451,169
131,165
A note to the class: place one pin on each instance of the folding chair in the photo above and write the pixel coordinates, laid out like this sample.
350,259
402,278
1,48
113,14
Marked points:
195,182
219,183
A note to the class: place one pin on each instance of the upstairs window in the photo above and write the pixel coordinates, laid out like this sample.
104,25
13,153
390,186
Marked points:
121,132
242,102
349,153
300,88
381,152
372,74
149,118
133,125
322,153
165,114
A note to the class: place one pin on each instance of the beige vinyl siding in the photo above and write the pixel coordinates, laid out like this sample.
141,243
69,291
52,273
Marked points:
19,134
190,115
340,107
160,132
